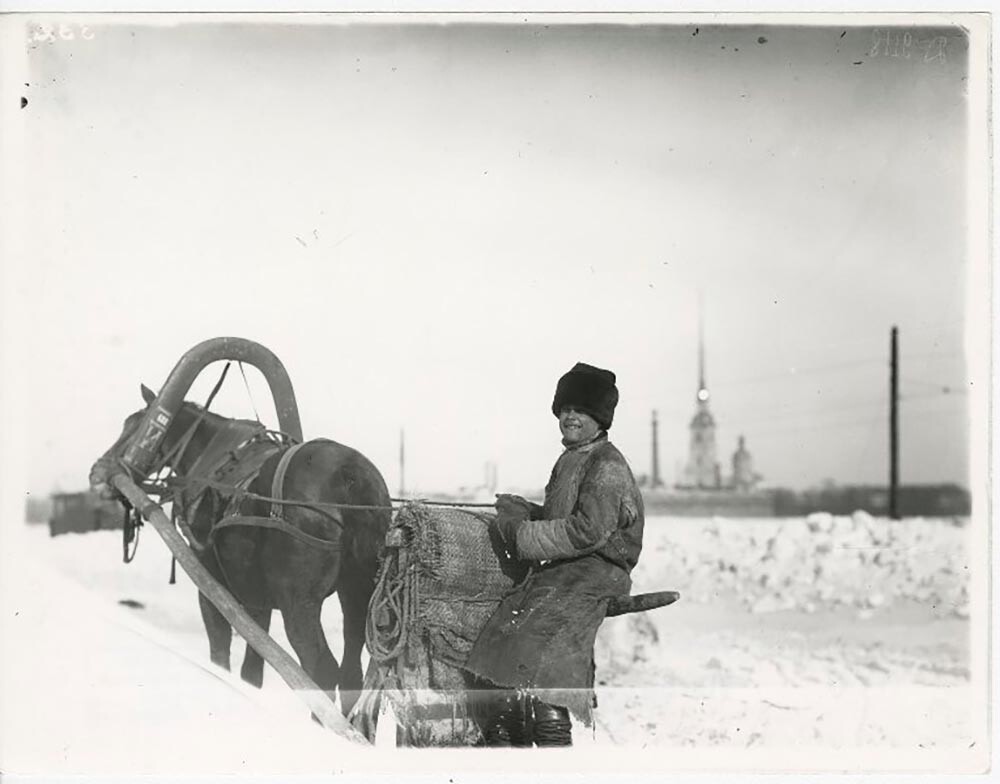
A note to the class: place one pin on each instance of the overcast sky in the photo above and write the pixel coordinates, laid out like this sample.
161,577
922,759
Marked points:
429,224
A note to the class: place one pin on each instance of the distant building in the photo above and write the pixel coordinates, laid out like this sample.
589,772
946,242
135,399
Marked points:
702,469
931,500
701,489
37,510
83,512
654,480
484,492
744,478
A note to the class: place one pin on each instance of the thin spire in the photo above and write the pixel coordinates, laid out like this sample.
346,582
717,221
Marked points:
701,344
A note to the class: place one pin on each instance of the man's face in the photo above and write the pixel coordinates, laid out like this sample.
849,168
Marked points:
576,426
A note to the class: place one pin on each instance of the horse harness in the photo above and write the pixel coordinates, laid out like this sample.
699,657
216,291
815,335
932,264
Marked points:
275,520
230,470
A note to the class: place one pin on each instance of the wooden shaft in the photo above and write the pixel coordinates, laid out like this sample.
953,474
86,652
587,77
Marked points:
141,448
315,698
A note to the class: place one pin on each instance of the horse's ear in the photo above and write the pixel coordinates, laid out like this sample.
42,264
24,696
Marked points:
147,394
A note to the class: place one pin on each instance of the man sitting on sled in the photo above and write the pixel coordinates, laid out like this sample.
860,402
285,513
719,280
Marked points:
535,656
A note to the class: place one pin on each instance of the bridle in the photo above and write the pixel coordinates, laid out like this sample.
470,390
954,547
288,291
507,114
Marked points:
132,521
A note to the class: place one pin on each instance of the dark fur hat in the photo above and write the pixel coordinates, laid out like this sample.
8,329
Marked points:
589,389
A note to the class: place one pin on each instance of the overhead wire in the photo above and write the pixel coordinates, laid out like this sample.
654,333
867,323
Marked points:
796,372
823,412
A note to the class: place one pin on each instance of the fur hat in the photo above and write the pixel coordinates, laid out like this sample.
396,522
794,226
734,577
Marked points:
589,389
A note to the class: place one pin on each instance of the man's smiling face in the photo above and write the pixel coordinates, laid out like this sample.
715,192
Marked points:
576,426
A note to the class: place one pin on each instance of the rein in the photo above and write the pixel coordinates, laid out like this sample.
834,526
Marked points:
238,493
173,486
324,507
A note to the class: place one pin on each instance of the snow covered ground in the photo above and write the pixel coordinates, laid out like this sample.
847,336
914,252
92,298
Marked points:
93,686
820,644
809,637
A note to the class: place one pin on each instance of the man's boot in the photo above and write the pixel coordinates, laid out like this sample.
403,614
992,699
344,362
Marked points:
502,722
551,725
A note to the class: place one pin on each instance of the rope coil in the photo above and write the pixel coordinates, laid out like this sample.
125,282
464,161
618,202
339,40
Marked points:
391,609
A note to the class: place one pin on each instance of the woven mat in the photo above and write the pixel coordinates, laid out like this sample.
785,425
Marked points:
464,573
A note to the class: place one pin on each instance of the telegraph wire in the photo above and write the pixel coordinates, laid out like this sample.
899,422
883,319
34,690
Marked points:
783,414
824,411
758,435
947,354
953,327
949,393
765,434
943,391
874,426
923,382
879,405
795,372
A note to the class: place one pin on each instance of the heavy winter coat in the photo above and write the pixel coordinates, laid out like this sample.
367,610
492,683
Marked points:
582,547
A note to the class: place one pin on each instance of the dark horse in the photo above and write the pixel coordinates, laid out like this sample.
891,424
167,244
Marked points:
265,568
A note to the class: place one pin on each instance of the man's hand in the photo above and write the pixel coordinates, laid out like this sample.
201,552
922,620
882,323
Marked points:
511,512
507,501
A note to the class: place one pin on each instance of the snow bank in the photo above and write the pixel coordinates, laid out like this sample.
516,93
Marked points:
92,686
811,563
89,687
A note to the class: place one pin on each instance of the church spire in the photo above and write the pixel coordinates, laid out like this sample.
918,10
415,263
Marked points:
702,468
701,350
702,387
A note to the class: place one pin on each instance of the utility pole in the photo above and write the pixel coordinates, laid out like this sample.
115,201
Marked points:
894,425
402,463
655,480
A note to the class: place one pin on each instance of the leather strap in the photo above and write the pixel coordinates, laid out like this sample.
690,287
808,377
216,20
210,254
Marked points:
278,483
253,521
275,519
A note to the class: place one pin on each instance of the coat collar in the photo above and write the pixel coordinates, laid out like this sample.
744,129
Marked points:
588,446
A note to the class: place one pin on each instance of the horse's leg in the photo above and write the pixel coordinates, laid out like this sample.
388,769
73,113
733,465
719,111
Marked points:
305,633
220,633
253,663
354,606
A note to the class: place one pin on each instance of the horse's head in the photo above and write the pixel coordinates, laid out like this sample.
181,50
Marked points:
111,461
108,463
